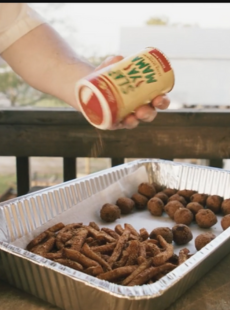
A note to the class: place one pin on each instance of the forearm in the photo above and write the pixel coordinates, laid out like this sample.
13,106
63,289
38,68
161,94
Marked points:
46,62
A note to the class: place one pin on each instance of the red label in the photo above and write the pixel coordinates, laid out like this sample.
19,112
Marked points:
108,94
91,103
161,58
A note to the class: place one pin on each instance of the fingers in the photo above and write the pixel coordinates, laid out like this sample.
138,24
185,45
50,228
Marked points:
129,122
161,102
146,113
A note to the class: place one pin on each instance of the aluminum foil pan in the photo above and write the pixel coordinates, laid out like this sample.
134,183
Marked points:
80,200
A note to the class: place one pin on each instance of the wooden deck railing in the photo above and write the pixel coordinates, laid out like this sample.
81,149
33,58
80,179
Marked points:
201,134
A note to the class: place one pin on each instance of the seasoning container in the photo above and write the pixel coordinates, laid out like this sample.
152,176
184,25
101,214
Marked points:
107,96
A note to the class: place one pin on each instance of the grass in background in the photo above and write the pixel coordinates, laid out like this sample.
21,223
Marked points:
7,181
51,103
53,176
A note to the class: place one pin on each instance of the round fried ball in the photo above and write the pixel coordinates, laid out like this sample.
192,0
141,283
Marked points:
178,198
186,193
183,216
200,198
157,187
194,207
214,202
146,189
171,207
181,234
125,204
203,239
140,201
225,206
162,196
155,206
205,218
225,221
170,191
165,232
110,212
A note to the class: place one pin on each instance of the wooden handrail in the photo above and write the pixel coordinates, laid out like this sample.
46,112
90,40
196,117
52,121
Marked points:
187,133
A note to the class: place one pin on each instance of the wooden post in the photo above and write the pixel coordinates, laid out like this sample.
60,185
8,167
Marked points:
69,168
217,163
23,175
117,161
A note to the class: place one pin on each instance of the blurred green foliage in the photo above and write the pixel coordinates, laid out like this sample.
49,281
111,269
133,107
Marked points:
19,93
7,181
157,21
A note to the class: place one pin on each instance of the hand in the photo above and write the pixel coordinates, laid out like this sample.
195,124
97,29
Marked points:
145,113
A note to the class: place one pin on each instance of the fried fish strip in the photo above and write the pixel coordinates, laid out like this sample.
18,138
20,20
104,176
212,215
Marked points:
71,227
119,230
94,225
94,271
93,242
45,247
89,253
154,241
183,255
104,256
77,240
162,257
117,273
78,257
89,240
53,255
122,261
144,234
131,229
110,232
56,227
36,240
100,235
149,273
153,249
119,246
106,248
141,260
125,255
65,234
133,252
69,263
138,270
64,237
142,249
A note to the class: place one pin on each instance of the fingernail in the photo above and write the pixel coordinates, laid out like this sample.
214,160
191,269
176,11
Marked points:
145,117
119,126
131,125
148,117
158,104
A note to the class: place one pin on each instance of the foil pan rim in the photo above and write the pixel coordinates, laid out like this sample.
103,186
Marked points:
105,171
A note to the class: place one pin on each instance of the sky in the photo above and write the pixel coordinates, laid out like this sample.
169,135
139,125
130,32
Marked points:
94,28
